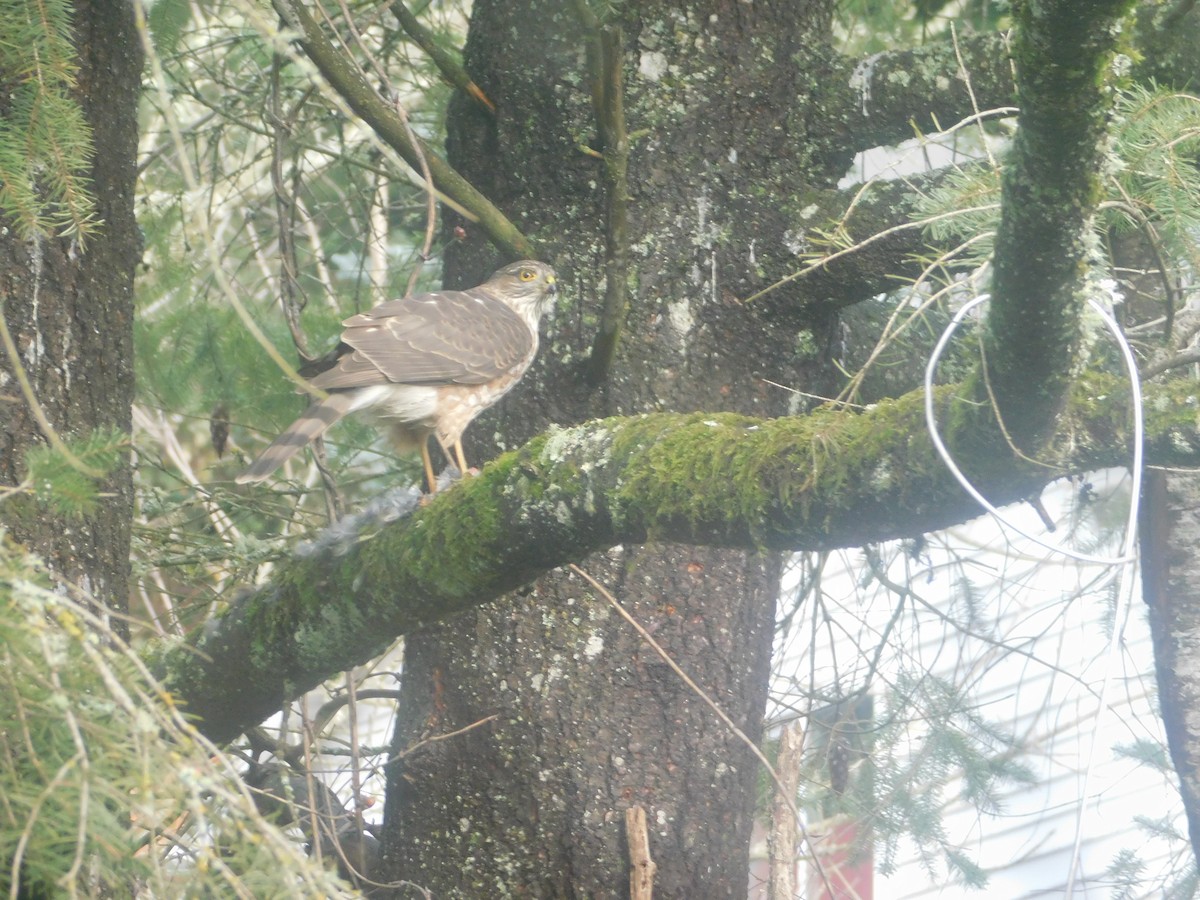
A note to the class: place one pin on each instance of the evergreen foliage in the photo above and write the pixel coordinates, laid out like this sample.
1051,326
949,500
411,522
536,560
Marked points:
62,483
106,789
1156,183
932,742
1153,185
45,143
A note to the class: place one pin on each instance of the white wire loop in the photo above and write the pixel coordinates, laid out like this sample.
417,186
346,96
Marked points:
1128,554
1124,562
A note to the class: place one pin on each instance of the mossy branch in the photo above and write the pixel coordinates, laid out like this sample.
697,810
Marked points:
1051,185
347,79
829,479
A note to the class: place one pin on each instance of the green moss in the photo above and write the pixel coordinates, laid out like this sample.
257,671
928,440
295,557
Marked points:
1098,418
449,547
730,471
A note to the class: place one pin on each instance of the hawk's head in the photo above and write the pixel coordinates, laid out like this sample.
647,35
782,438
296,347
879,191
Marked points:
528,285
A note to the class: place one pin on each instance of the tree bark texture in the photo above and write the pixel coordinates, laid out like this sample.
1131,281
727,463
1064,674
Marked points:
588,721
70,311
1051,184
1170,548
717,97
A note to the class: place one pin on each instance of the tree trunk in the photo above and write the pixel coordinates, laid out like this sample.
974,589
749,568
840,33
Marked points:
577,718
70,312
1170,538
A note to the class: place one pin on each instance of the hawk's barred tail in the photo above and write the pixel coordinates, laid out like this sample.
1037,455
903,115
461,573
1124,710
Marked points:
310,426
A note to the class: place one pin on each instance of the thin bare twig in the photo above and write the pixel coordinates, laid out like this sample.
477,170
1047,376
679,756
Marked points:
824,261
606,60
290,296
422,160
442,737
1187,358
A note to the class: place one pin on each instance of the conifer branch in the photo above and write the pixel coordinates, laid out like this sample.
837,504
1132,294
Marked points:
45,141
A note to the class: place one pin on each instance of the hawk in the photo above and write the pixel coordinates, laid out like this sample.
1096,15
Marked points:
426,365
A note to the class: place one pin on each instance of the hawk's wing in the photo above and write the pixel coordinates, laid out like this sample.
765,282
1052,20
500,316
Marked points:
443,337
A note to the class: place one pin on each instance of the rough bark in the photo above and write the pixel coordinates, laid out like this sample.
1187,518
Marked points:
1170,536
589,721
896,95
1045,245
70,310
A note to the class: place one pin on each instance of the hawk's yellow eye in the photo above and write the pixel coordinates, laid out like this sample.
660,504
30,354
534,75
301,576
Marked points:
527,275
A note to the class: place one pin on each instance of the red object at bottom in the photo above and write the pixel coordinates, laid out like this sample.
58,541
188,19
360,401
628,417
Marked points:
844,866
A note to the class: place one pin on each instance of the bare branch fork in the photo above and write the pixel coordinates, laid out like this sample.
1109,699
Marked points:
348,81
450,68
